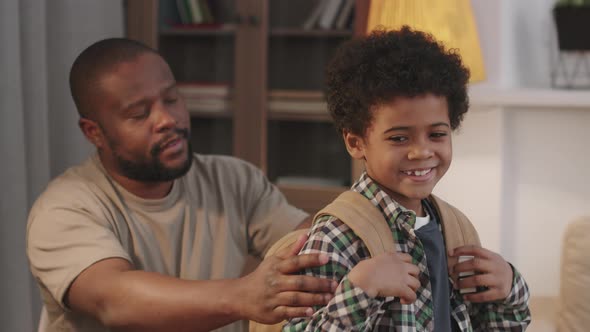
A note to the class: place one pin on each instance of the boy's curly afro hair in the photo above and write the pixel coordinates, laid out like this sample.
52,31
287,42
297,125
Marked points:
368,71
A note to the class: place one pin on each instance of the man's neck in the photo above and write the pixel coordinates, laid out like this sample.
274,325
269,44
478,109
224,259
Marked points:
146,190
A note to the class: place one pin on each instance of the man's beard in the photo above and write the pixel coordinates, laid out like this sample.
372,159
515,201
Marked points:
154,170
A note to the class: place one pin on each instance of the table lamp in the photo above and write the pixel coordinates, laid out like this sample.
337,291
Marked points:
450,21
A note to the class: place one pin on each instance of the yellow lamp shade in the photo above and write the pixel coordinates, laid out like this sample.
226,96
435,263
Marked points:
450,21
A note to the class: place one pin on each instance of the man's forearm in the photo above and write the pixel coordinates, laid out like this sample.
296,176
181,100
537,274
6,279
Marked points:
145,301
125,299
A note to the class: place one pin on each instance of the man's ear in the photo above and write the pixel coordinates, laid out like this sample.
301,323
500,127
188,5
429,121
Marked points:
92,131
355,145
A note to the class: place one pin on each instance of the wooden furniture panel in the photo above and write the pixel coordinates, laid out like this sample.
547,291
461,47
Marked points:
309,198
250,96
255,47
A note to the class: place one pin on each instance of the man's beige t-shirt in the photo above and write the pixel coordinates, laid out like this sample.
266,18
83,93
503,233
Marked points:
222,210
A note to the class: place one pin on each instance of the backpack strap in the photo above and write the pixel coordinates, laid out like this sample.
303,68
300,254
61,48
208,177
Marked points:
364,219
457,229
285,241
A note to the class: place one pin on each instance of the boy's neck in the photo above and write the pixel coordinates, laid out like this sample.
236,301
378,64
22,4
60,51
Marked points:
413,204
421,211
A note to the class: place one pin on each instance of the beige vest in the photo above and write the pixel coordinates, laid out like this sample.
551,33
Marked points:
370,226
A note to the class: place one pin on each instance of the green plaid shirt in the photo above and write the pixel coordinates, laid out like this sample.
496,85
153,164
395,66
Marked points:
352,309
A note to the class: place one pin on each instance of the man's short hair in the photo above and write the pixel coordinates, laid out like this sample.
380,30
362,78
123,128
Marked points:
96,60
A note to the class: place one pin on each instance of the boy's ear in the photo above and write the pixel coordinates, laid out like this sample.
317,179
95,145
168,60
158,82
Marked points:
355,145
92,131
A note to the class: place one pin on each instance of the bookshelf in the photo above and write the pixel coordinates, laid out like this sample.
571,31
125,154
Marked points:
253,73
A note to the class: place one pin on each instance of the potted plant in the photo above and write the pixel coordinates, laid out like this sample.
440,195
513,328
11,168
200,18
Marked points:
572,19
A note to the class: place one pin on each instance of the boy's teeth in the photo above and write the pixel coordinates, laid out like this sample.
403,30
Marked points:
418,173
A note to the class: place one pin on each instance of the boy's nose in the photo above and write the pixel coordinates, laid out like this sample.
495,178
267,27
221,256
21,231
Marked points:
420,151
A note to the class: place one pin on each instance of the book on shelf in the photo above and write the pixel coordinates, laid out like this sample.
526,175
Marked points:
345,15
330,14
193,12
205,97
298,101
314,16
298,106
183,12
212,105
198,89
326,20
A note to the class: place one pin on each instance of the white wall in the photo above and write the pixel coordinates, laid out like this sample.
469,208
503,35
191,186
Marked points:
517,40
474,181
521,174
38,130
552,188
521,160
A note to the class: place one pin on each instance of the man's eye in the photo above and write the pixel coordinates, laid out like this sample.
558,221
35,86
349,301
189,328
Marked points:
170,100
140,114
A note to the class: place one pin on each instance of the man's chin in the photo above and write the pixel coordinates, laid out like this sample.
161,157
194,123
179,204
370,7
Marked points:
176,162
178,168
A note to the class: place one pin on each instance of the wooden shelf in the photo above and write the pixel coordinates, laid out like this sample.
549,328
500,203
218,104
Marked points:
222,30
523,98
211,114
297,116
298,32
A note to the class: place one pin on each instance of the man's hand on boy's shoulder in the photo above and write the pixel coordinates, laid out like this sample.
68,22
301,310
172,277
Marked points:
492,272
274,291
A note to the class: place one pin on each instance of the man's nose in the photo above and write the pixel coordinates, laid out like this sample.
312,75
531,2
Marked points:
164,118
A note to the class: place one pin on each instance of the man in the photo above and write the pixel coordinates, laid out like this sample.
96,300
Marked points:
145,235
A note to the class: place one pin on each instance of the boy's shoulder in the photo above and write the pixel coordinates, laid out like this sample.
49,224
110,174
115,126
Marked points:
368,223
352,216
358,217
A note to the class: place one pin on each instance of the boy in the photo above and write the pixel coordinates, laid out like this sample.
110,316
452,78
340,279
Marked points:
396,97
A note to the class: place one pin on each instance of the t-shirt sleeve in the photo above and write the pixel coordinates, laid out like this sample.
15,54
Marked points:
269,214
67,232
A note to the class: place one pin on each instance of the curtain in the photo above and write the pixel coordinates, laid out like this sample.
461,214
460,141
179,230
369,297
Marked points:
39,137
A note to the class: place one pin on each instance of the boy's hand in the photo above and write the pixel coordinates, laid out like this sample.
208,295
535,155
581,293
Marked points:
388,274
491,271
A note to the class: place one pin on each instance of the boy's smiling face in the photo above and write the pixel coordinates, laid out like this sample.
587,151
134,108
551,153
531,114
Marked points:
407,148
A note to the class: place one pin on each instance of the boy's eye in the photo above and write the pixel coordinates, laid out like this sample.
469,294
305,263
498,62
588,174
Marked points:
398,139
438,134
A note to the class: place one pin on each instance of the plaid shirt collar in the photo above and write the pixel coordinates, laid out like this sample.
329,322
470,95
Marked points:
397,216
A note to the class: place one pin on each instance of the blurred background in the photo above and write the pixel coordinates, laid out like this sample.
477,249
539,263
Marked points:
252,73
